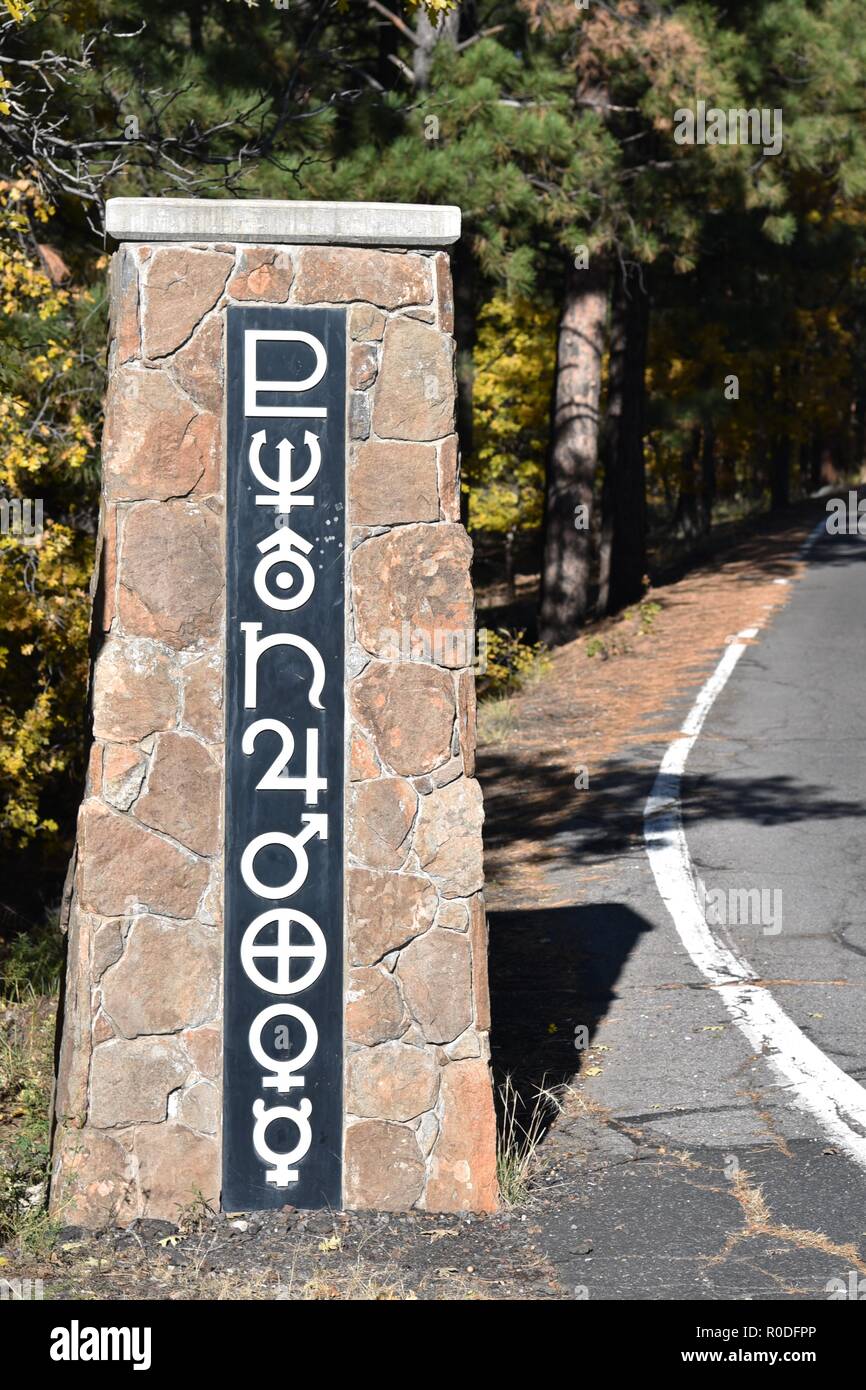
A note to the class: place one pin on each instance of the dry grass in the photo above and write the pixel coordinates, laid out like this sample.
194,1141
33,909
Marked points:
497,720
26,1073
758,1221
518,1138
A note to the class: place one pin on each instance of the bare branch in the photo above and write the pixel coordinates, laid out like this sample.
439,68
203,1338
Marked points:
483,34
404,67
395,20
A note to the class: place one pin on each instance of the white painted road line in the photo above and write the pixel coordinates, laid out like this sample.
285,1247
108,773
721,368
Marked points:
811,1080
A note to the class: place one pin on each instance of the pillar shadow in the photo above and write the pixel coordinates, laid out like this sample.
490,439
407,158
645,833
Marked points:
552,970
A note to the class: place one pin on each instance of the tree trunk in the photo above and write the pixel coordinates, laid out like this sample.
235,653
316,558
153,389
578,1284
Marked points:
428,33
509,565
624,442
860,433
814,480
780,471
708,479
195,15
686,516
573,454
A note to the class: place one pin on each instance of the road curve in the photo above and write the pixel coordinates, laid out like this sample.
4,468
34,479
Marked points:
756,1181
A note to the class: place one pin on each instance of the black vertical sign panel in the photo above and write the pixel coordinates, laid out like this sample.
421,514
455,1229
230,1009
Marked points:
282,1099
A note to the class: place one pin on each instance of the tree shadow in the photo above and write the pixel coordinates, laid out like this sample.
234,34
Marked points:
586,827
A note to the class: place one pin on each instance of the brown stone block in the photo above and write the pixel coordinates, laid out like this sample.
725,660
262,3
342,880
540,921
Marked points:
444,292
391,483
449,477
359,415
102,1029
418,575
204,1046
211,910
93,1185
374,1008
198,367
264,274
363,365
391,1082
447,772
435,973
385,911
124,331
181,286
124,767
94,771
448,837
203,696
124,866
467,719
379,819
362,759
478,938
453,915
183,793
130,1082
336,275
171,573
409,710
107,573
166,979
384,1167
199,1108
106,949
134,694
70,1101
415,390
468,1044
175,1168
463,1163
156,445
366,324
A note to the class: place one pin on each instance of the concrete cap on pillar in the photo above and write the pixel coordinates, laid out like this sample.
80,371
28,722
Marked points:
273,220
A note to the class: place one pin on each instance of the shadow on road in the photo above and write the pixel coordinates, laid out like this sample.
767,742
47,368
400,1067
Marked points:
610,819
552,970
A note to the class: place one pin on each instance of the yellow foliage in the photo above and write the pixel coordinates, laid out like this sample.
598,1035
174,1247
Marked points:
800,390
511,662
19,10
45,438
514,360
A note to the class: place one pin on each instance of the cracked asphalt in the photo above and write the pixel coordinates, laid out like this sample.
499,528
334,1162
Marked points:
679,1168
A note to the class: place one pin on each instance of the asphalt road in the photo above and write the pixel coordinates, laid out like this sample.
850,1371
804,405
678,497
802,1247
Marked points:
687,1169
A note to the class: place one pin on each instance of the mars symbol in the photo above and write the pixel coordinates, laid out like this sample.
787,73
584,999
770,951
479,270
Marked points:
285,532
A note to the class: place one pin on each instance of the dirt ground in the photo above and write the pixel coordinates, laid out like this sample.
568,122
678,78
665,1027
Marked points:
562,748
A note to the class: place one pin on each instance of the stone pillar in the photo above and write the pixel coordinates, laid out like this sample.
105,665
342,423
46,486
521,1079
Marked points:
139,1102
